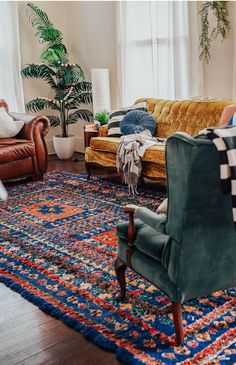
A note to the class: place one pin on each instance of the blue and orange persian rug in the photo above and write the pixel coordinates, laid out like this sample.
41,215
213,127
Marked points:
57,247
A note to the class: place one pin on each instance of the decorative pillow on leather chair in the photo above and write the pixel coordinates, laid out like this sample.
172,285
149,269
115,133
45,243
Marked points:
116,117
137,121
8,126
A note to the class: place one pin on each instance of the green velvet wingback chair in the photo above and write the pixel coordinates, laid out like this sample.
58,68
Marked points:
191,251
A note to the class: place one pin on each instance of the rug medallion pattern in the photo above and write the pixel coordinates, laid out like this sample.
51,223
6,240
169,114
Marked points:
58,245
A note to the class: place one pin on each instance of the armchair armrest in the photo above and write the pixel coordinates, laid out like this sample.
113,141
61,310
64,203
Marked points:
156,221
35,129
103,130
33,125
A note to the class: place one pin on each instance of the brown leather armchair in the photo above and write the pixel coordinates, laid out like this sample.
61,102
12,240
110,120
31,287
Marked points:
25,155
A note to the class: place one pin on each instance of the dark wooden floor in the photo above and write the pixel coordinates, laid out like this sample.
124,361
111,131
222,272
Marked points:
30,337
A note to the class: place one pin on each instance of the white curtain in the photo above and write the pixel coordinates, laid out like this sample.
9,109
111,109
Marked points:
10,79
157,50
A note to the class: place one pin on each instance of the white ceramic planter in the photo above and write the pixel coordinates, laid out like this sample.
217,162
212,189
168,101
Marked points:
64,146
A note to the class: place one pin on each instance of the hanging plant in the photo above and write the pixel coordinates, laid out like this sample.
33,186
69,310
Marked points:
220,11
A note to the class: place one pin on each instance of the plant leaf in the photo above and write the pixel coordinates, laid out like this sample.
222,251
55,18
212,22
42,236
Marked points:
40,72
54,120
51,35
83,86
82,114
76,99
50,57
84,98
78,74
44,26
38,104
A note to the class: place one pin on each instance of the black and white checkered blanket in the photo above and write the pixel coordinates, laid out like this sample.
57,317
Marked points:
225,141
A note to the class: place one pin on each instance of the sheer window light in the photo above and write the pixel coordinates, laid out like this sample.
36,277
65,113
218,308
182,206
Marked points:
155,50
11,84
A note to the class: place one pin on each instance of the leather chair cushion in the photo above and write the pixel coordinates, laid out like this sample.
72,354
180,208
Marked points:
12,149
148,240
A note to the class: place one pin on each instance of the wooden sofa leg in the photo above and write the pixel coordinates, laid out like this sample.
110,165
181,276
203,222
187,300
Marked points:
177,316
120,274
87,166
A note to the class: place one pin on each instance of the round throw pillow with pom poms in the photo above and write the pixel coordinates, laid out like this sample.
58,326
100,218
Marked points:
137,121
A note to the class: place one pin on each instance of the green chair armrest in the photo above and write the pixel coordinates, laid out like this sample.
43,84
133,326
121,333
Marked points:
156,221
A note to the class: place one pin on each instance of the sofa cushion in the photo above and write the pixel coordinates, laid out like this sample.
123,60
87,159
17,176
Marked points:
154,154
107,144
12,149
11,141
106,159
152,170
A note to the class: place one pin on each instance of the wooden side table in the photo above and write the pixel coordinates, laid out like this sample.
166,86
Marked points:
88,134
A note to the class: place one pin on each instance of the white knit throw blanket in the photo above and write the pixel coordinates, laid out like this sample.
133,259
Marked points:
128,159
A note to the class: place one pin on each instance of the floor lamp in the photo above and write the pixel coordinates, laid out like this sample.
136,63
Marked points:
100,89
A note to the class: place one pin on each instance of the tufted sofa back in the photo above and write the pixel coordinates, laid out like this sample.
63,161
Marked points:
184,115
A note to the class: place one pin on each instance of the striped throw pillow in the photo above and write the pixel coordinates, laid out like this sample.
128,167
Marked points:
116,116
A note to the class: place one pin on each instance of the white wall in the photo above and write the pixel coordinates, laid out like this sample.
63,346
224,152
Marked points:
91,37
89,33
217,75
91,40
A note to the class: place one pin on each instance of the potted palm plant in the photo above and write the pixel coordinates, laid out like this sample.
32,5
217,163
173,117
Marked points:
70,89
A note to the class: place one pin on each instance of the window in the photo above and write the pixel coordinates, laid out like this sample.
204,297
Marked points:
155,50
10,85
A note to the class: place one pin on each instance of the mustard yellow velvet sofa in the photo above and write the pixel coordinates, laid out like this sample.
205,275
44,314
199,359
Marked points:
171,115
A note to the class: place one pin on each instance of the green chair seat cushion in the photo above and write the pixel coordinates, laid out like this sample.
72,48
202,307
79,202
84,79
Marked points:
148,240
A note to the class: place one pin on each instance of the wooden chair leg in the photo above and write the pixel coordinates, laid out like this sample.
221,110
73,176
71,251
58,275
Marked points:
33,178
177,316
87,166
120,274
